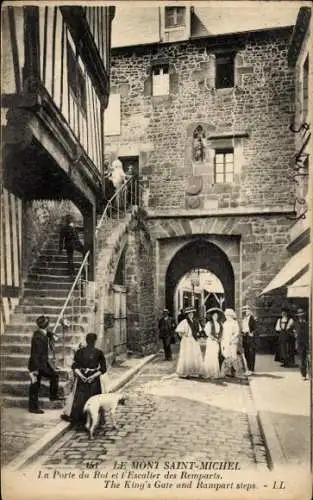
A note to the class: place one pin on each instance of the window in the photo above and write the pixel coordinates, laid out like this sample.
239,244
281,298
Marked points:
224,166
174,16
76,79
224,75
305,88
160,80
112,116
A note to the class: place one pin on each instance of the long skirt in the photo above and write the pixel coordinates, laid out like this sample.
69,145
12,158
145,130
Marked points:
211,366
77,399
190,361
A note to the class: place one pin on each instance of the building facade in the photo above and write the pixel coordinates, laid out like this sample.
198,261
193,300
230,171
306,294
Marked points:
205,122
55,88
294,279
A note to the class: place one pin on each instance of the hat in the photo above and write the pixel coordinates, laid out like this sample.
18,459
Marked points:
215,309
300,312
42,322
188,310
230,313
246,308
165,310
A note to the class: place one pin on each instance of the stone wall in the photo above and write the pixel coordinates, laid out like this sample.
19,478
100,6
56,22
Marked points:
141,319
253,117
258,257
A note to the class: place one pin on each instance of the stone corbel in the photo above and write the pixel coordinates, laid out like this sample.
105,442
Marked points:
18,134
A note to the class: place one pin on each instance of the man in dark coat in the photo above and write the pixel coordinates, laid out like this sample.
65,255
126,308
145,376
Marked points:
249,338
39,365
166,332
302,339
70,241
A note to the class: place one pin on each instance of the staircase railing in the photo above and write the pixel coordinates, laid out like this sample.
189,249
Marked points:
71,314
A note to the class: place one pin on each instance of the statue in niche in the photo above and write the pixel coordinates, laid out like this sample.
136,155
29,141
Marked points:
198,145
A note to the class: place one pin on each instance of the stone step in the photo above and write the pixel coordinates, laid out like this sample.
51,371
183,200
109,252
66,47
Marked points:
22,402
57,261
20,318
50,293
22,374
51,301
21,360
30,326
49,285
24,338
52,256
24,349
50,271
48,309
64,278
21,388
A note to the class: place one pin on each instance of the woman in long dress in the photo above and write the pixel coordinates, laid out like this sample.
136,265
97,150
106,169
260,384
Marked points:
213,330
89,364
230,344
190,361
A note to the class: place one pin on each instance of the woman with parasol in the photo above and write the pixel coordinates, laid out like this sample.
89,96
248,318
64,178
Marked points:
213,330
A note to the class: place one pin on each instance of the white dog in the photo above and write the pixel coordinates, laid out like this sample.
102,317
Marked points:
102,403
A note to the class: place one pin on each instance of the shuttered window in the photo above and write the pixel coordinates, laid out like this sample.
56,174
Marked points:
112,116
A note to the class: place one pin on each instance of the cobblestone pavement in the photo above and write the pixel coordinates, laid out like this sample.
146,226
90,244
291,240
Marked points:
167,418
20,429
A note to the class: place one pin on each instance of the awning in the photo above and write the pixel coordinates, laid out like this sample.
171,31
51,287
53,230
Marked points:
300,288
295,265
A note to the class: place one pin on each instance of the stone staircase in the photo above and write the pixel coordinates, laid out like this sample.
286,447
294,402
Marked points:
45,291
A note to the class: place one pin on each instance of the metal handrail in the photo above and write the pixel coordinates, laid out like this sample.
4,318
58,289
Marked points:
104,216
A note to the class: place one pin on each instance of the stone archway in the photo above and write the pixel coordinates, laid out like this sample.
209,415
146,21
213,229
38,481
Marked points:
195,254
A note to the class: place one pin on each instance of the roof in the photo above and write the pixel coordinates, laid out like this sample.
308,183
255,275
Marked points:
138,24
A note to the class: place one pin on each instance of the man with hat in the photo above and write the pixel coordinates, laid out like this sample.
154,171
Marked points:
302,339
248,328
39,365
166,333
69,240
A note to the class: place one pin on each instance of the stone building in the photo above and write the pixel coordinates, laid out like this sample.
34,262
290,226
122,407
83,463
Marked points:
55,87
204,120
294,279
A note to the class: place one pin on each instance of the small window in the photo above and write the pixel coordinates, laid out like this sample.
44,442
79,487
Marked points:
224,166
160,80
175,16
224,71
305,88
76,79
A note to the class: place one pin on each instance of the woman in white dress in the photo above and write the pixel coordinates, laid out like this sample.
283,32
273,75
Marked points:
190,361
230,344
213,330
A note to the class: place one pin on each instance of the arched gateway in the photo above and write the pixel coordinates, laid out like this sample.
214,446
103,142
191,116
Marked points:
200,253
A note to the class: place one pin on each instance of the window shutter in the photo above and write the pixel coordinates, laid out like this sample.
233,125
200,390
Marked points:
148,86
210,78
173,83
112,116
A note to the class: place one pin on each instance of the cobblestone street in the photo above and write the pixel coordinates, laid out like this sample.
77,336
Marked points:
166,418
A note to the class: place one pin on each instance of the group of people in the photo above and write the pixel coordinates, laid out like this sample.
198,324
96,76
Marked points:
88,366
230,346
292,335
229,349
